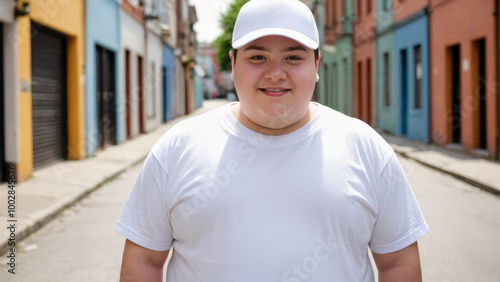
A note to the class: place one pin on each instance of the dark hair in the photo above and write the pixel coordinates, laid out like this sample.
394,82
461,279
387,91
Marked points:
316,53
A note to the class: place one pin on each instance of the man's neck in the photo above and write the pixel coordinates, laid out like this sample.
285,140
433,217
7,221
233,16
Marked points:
244,120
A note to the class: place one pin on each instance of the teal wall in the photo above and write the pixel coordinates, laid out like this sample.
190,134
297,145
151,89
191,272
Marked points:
335,85
386,115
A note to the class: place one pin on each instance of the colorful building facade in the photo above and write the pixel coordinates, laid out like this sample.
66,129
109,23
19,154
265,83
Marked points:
387,100
133,54
9,100
464,111
411,39
336,64
103,125
50,58
364,61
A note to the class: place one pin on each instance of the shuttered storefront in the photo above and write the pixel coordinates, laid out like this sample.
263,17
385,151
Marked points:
2,117
106,106
48,57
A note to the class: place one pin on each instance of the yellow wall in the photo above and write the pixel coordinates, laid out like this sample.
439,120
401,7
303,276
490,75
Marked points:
67,17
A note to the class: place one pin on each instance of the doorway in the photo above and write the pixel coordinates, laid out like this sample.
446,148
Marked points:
404,91
479,78
49,96
128,100
454,88
369,91
106,106
140,80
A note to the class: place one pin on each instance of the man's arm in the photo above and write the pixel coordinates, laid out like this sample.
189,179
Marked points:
141,264
402,265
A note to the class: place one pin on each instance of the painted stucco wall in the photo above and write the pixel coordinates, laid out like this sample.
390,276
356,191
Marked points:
154,97
102,19
407,37
66,17
386,115
451,25
10,81
132,39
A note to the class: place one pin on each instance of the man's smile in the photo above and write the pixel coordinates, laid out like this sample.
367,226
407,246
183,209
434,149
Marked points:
274,92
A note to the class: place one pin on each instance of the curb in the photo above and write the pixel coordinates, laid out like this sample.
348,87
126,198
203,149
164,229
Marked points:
467,179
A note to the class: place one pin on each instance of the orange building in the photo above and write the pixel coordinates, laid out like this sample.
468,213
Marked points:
363,60
463,75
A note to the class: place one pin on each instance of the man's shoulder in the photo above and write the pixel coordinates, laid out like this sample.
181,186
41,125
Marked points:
192,128
355,133
335,120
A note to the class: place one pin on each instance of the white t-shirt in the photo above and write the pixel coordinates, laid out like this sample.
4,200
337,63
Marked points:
238,206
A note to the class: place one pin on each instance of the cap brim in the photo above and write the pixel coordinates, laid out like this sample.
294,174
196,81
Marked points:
294,35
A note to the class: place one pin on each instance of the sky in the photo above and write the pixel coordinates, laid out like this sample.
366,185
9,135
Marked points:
208,11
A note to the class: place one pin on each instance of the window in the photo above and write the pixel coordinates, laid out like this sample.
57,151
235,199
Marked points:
325,83
369,6
417,57
387,80
344,87
335,85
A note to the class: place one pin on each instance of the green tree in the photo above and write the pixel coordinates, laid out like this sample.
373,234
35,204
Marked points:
223,42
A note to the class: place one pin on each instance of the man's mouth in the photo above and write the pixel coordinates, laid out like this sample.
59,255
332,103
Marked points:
274,92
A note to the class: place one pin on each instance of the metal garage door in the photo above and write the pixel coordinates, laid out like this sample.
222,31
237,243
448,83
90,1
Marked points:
2,118
106,106
48,65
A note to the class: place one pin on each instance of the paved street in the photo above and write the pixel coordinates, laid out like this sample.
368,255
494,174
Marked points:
80,245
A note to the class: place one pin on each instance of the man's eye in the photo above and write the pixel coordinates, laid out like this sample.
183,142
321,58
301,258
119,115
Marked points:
257,57
294,58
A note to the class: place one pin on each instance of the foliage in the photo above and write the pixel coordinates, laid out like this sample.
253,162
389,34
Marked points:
223,42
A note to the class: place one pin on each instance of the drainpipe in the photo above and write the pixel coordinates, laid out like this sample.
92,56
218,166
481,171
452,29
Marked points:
497,53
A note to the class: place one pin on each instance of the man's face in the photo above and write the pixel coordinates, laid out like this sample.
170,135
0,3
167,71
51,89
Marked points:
274,77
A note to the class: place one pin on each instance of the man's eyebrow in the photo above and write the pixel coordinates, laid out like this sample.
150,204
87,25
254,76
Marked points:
294,48
256,47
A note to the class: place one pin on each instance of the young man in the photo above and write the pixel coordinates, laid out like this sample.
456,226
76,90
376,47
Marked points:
275,187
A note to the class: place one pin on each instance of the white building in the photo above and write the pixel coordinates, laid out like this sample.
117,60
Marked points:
9,104
133,73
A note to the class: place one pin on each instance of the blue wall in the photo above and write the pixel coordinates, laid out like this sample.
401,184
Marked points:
102,22
407,37
169,65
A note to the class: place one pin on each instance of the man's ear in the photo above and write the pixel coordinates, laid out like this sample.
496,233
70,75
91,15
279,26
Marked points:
317,61
231,55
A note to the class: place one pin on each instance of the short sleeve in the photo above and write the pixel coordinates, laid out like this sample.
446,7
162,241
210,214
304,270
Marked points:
400,221
144,219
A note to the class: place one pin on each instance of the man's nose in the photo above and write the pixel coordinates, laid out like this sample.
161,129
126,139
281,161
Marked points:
275,72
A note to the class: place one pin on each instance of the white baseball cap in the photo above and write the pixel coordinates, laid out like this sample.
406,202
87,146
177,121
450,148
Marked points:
289,18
